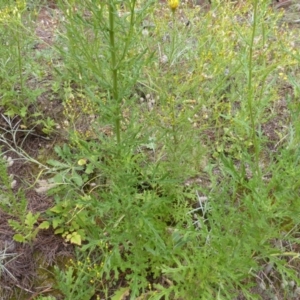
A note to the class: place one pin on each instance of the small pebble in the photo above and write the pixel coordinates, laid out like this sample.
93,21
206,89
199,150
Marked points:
164,59
292,283
10,161
13,184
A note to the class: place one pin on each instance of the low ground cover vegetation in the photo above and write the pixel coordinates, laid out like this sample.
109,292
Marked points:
149,150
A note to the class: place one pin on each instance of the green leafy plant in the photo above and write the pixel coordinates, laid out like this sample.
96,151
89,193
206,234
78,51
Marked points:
176,176
71,217
48,125
7,197
16,68
26,228
177,193
104,50
15,204
69,221
74,283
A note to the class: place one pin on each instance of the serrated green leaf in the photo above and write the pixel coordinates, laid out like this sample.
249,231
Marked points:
75,238
28,218
57,164
56,222
121,294
57,209
74,225
77,179
19,238
14,224
59,230
44,225
89,169
58,150
31,219
23,111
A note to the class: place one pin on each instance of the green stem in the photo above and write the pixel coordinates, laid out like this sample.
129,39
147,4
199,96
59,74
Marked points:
20,65
115,92
130,31
250,88
174,127
173,34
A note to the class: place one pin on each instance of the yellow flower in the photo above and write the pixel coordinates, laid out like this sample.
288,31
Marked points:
82,162
173,4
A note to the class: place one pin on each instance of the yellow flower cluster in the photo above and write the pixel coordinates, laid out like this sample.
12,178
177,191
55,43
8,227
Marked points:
173,4
8,12
94,270
80,112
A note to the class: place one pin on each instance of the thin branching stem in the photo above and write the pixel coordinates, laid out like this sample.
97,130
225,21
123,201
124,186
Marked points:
114,68
251,88
12,143
20,65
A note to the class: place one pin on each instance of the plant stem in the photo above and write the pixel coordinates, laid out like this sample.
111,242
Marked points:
115,93
174,124
20,66
250,88
173,36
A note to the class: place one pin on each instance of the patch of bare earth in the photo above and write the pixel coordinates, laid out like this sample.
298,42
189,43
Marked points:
26,268
21,278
